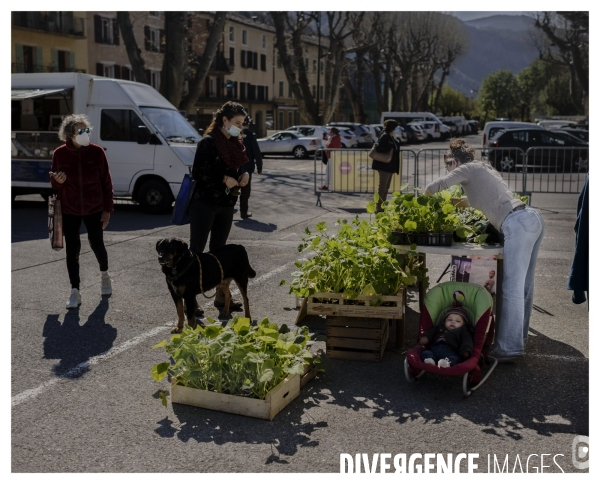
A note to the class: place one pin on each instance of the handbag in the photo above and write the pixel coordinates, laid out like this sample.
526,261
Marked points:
182,204
383,157
55,225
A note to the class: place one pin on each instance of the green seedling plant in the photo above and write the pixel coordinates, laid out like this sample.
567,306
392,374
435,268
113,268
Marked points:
238,359
358,260
409,213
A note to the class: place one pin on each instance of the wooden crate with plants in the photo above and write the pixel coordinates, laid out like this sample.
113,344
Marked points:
252,370
351,338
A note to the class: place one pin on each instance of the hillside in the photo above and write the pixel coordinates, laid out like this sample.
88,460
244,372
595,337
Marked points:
497,42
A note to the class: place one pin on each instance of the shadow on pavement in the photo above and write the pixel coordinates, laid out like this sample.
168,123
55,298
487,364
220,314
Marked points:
73,344
255,225
29,220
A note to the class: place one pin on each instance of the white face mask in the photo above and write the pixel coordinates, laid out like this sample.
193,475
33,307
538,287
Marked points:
233,131
83,139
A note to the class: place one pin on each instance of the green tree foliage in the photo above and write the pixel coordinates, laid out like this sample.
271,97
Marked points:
499,95
451,101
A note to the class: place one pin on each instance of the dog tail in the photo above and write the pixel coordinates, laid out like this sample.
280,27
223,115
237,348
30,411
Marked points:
251,272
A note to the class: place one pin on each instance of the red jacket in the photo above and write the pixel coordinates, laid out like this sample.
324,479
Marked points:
334,141
88,187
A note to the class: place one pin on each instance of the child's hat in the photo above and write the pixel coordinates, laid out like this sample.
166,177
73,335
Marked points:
457,308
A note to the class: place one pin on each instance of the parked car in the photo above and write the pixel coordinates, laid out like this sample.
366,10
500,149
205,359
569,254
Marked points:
349,139
567,134
553,150
415,133
289,143
430,128
311,130
492,128
472,126
454,130
583,135
361,131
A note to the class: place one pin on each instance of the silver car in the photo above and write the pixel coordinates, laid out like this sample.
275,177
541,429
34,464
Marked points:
289,143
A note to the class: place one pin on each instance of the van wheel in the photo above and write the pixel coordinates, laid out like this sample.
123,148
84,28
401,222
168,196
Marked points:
299,152
155,197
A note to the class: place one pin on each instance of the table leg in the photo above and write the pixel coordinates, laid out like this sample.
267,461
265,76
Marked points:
422,287
499,280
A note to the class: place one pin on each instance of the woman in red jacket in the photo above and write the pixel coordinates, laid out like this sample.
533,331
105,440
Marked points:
82,179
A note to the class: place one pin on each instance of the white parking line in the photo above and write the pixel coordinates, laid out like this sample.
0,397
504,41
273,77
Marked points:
74,372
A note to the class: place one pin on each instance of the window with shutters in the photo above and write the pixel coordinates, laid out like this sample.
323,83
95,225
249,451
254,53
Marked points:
263,62
231,56
251,92
231,33
243,90
243,58
119,125
106,30
244,37
155,79
255,60
264,42
155,40
261,93
109,70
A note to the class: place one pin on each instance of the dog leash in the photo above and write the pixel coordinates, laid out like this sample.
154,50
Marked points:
222,275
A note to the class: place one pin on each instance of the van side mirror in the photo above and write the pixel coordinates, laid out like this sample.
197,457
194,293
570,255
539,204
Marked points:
143,135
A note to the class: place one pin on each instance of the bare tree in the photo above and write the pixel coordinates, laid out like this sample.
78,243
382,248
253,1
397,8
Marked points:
173,70
133,51
197,82
568,33
355,68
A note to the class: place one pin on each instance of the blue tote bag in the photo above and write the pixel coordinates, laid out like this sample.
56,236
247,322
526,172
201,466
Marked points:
180,212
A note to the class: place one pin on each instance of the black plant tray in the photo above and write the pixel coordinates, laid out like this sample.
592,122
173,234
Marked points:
422,238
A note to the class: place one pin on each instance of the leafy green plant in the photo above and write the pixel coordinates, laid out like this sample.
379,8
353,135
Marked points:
238,359
358,260
408,213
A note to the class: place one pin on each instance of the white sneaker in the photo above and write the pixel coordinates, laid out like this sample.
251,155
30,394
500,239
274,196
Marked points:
106,285
74,299
445,363
429,361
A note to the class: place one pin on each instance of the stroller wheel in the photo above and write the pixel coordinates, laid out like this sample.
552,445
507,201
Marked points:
408,374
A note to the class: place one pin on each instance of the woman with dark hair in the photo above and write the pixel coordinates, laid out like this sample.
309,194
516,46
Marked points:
386,142
219,177
523,230
82,179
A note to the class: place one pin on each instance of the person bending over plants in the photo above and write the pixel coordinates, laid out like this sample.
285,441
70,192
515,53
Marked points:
523,230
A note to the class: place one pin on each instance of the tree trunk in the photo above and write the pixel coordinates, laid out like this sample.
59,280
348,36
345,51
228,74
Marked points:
172,74
216,31
133,51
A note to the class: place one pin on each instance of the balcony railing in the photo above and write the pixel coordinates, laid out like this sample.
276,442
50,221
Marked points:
50,22
16,68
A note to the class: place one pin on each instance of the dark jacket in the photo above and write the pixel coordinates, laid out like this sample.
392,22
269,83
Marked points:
385,143
208,172
88,187
252,152
579,276
459,339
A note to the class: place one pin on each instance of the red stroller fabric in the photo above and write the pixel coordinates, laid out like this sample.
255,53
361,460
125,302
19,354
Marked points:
479,301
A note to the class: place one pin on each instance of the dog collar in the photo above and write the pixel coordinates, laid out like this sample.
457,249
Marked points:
175,274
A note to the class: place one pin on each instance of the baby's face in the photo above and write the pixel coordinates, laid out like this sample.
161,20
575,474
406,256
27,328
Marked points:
454,321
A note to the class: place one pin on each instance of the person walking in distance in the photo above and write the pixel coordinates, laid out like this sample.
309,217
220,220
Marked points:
81,176
334,140
387,141
254,162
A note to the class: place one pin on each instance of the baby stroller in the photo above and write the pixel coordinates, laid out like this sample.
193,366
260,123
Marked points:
479,303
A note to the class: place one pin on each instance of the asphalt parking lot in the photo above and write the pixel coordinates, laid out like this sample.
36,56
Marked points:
82,399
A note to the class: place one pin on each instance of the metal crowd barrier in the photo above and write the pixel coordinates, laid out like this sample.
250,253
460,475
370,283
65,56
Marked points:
537,170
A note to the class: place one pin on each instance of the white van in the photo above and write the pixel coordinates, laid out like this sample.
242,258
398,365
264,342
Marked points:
150,146
459,121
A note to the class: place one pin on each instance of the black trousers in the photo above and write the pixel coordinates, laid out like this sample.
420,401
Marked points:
245,195
205,219
71,231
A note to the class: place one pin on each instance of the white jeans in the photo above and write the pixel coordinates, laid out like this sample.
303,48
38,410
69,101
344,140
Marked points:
523,232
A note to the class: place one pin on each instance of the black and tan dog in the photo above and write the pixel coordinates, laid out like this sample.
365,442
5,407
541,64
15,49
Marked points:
183,272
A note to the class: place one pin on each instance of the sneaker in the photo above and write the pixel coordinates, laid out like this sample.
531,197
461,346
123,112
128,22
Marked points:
444,363
504,358
106,285
429,361
74,299
247,215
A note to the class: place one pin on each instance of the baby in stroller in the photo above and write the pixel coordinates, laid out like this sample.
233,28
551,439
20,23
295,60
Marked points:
451,340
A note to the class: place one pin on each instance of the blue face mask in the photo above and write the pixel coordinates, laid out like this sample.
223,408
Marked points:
233,131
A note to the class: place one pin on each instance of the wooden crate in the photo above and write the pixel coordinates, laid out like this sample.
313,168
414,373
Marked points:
275,400
337,305
350,338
